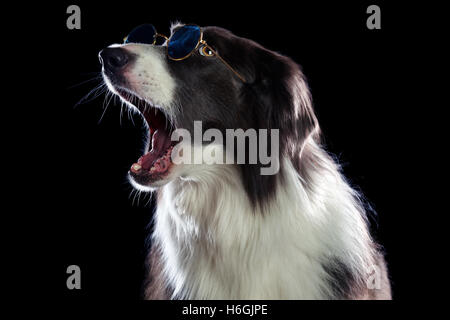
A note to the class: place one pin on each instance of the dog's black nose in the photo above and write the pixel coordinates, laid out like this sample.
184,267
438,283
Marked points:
114,58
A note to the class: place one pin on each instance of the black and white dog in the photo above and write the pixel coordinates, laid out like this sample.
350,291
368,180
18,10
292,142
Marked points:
225,231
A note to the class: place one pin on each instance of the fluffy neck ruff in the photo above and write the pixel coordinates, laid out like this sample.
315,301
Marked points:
309,241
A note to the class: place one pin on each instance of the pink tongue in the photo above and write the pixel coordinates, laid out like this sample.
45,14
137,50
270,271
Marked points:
160,143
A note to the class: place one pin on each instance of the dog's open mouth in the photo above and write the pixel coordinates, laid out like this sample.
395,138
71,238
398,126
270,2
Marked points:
156,162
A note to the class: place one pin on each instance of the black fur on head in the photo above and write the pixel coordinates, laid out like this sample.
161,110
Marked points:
274,96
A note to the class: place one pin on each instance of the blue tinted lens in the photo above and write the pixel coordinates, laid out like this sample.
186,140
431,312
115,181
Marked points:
145,33
183,41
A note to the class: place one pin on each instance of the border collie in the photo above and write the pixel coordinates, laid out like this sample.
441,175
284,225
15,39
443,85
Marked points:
225,231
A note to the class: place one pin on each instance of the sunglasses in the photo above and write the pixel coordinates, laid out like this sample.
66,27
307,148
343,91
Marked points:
181,45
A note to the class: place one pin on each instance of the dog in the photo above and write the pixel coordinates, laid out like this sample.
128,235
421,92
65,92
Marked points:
226,231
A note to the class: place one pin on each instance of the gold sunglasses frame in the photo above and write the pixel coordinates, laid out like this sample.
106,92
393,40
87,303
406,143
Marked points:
201,42
154,37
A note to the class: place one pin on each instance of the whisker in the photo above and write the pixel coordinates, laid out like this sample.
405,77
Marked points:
106,102
95,93
97,77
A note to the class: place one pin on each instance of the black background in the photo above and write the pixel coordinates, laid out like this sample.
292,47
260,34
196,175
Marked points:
89,214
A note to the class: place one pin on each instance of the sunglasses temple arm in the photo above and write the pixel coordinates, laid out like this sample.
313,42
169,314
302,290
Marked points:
229,67
225,63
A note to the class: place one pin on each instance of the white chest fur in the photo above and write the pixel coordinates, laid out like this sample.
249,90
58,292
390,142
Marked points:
215,246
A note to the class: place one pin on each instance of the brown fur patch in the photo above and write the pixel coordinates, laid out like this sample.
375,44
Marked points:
155,287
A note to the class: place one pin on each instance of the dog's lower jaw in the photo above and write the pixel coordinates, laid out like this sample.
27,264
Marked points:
215,246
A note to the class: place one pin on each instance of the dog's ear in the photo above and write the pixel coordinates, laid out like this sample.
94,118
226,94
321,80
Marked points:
276,96
282,96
